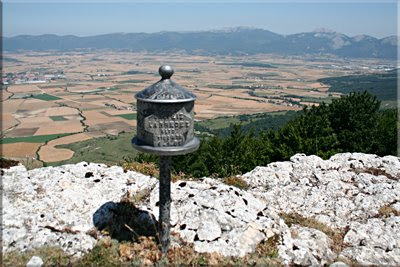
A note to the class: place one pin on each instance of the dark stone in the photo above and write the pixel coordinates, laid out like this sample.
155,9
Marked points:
196,238
89,174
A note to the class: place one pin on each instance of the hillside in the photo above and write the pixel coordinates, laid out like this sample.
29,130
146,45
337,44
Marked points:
237,41
305,211
382,85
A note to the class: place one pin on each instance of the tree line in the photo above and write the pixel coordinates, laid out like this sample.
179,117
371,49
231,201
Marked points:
352,123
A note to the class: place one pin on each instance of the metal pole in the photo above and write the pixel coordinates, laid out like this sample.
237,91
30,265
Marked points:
165,202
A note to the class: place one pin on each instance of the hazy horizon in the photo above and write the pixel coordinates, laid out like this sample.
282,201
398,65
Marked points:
194,31
87,19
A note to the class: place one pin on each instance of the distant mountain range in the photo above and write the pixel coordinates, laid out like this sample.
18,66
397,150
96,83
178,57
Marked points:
235,41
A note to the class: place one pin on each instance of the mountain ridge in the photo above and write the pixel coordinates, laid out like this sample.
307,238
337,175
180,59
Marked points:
232,41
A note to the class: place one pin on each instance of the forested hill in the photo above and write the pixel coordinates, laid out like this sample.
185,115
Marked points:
382,85
237,41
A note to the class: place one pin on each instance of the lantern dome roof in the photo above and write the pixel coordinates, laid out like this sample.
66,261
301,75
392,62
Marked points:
165,90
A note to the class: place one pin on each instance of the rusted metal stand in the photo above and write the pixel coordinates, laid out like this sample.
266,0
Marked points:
165,202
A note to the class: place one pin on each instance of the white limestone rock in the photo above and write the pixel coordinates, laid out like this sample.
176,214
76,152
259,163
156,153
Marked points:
57,206
216,217
306,246
338,264
347,187
209,228
376,242
35,261
345,191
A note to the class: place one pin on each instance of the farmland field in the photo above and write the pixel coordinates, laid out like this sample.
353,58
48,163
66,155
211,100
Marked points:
58,118
89,103
32,139
108,149
46,97
129,116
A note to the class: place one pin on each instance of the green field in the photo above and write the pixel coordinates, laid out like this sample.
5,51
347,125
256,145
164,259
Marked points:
252,64
32,139
109,150
46,97
130,116
389,104
223,86
133,72
132,81
262,75
217,123
258,122
58,118
311,99
326,100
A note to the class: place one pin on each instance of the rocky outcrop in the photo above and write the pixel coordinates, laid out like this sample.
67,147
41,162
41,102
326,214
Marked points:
355,196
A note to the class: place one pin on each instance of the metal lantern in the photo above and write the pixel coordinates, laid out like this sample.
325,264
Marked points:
165,112
165,118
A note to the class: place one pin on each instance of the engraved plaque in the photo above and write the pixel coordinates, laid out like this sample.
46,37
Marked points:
165,125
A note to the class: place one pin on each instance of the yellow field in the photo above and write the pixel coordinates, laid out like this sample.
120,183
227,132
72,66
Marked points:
49,153
20,150
7,121
60,127
60,111
24,88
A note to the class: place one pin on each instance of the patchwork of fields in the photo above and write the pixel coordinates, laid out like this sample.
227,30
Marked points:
95,96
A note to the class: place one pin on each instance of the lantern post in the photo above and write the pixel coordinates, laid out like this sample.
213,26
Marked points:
165,127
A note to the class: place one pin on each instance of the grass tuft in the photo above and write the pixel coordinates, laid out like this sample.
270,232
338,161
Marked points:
149,169
146,252
337,236
51,256
269,247
387,211
236,181
105,253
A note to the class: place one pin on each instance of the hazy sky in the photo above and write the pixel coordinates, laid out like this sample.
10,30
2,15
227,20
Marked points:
83,18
